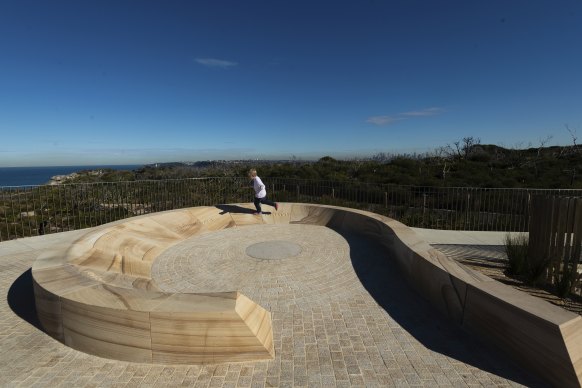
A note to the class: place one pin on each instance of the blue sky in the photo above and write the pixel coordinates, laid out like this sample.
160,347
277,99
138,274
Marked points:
123,82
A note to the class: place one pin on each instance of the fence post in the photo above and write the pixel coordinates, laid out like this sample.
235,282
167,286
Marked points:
467,213
423,208
529,204
297,192
333,192
385,200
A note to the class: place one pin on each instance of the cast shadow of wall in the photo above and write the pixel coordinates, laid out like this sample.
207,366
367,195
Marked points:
385,282
21,299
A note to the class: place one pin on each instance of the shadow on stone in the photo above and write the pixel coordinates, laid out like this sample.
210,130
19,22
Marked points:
383,280
21,299
236,209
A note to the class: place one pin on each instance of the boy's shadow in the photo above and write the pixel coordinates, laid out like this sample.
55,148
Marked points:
236,209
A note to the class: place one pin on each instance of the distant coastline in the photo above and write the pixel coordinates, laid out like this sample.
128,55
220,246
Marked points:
32,176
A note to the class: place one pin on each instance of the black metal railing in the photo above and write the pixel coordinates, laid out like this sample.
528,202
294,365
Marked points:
35,210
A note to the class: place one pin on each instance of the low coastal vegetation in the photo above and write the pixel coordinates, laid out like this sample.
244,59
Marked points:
554,273
516,247
520,264
466,163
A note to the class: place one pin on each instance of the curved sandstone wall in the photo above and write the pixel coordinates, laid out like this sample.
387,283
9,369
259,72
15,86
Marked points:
98,296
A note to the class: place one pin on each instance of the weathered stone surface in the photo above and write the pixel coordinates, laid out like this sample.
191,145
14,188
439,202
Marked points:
359,324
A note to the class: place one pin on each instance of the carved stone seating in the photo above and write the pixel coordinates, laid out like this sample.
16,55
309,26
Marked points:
98,295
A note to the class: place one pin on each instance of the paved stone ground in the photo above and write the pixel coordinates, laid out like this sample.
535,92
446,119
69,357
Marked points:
342,316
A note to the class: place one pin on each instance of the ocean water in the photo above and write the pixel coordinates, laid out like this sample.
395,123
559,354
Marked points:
25,176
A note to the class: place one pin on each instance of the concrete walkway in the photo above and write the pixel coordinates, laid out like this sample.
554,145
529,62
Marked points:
341,317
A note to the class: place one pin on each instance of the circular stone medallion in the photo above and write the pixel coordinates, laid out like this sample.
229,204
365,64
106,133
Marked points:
273,250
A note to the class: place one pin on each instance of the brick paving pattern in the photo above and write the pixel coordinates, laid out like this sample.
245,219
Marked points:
342,316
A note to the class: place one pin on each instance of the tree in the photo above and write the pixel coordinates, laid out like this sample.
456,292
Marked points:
468,145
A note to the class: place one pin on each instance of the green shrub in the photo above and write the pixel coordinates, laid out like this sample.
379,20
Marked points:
566,279
537,268
518,262
516,250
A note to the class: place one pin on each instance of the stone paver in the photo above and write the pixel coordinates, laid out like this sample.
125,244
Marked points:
342,316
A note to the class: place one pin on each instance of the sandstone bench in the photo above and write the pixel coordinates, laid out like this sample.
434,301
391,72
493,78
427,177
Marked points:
98,295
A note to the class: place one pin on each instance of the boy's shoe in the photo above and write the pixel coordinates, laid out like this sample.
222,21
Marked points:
277,206
257,213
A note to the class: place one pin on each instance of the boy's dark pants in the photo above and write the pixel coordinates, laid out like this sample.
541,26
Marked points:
264,200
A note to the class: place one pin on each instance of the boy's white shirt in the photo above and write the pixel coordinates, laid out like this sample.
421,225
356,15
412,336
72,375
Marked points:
260,191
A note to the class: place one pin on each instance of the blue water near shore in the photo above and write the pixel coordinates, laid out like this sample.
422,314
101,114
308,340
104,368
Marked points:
25,176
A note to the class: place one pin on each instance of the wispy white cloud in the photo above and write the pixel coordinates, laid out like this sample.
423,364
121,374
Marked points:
387,120
383,120
213,62
424,112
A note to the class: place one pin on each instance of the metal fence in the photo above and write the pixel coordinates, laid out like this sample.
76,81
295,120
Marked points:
35,210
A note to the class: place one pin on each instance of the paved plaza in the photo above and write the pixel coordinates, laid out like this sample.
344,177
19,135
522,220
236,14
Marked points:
342,316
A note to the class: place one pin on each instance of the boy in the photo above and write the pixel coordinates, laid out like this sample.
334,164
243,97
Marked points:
260,192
